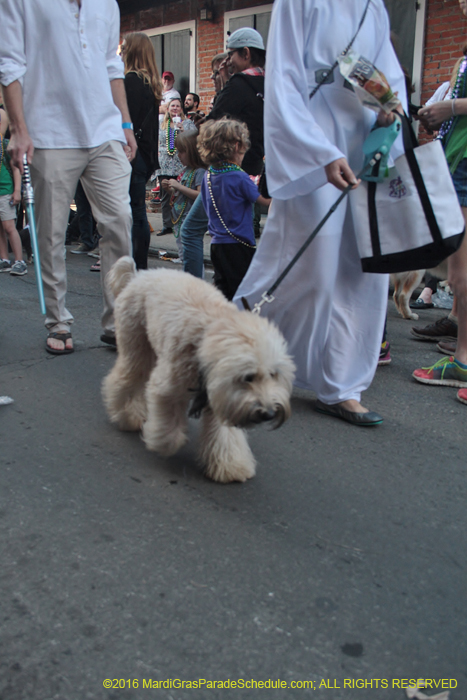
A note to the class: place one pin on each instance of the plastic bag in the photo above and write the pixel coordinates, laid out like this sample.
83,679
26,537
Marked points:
370,84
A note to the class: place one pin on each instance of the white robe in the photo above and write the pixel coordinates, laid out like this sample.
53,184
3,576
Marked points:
331,313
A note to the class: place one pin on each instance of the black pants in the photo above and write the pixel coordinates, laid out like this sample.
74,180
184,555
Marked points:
140,232
231,262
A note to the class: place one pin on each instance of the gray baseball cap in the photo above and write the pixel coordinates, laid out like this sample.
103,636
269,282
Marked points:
246,36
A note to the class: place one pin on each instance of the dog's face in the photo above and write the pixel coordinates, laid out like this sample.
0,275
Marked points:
247,371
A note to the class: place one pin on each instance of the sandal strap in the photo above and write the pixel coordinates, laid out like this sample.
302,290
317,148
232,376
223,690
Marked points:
58,335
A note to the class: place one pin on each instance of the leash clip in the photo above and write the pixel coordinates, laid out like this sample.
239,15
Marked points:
265,298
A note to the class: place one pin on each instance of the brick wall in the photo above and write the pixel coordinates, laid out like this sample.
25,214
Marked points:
209,35
445,34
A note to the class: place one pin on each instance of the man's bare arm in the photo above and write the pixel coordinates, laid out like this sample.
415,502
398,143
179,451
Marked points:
119,97
20,141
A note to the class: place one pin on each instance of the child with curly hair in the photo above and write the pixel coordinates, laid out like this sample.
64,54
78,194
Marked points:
228,196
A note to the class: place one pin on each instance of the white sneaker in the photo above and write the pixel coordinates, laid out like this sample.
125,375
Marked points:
19,268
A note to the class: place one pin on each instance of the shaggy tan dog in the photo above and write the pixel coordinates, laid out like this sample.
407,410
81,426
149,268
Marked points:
179,340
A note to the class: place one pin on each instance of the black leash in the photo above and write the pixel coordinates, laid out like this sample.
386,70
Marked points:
267,297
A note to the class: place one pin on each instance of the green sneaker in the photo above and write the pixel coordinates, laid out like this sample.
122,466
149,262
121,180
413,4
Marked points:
446,372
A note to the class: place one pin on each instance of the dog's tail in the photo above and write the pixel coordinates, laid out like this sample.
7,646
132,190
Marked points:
121,274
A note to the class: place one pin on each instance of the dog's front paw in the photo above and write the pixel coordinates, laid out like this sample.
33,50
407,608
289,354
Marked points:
226,473
228,457
166,444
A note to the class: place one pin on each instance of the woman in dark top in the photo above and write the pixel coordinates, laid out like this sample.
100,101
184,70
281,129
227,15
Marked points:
143,91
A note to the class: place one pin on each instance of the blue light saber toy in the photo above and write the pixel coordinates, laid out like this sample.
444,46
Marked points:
28,196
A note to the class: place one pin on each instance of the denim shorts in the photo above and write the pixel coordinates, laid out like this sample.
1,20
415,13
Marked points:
459,179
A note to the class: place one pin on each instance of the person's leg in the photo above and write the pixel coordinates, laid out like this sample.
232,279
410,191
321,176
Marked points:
3,244
231,262
106,181
192,234
457,266
452,371
84,214
8,228
165,204
356,327
55,174
140,232
14,238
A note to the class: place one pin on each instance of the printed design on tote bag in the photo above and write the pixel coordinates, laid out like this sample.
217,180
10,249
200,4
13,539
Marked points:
397,189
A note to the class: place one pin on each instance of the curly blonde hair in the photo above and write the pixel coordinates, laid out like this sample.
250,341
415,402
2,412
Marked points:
217,141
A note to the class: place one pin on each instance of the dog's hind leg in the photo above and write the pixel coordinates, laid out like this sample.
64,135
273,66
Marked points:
166,425
123,389
224,451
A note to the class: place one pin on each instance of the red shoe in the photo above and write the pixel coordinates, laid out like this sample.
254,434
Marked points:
462,395
446,372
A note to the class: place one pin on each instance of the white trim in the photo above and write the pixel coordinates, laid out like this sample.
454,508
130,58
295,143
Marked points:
419,48
260,9
166,29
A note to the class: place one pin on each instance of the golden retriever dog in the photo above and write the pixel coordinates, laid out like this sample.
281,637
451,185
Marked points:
180,341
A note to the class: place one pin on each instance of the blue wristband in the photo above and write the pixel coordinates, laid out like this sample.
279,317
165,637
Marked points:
127,125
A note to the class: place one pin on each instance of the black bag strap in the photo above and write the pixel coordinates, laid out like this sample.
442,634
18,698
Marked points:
408,134
326,74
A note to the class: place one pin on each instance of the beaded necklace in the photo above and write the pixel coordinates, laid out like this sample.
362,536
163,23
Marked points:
231,166
226,167
171,137
446,128
188,184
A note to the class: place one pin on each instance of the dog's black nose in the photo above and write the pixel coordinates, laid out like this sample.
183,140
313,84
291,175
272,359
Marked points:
264,414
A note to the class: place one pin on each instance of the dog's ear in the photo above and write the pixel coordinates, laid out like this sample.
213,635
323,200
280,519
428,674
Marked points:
121,274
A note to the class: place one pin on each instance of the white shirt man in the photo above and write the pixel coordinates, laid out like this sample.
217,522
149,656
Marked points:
60,61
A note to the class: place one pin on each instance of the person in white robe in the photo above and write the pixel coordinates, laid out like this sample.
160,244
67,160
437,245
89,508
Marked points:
331,313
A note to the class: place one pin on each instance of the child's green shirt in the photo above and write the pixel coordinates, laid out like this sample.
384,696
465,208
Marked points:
6,178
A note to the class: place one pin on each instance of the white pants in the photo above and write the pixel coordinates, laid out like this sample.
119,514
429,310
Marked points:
105,175
330,312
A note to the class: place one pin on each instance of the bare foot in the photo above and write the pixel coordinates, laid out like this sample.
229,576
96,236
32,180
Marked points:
352,405
58,344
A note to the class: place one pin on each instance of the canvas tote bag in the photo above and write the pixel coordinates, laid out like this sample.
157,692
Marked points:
412,220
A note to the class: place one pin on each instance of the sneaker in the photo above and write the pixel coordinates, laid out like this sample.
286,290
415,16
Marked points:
447,348
443,329
446,372
5,266
19,268
81,250
462,395
177,261
385,354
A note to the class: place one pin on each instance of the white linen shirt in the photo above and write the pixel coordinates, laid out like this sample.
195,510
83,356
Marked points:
65,58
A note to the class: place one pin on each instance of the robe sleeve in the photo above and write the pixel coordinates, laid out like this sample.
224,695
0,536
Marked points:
296,147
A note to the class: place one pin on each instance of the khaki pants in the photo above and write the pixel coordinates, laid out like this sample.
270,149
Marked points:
105,175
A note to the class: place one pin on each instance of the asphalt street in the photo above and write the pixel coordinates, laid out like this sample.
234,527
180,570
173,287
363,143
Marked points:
342,561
